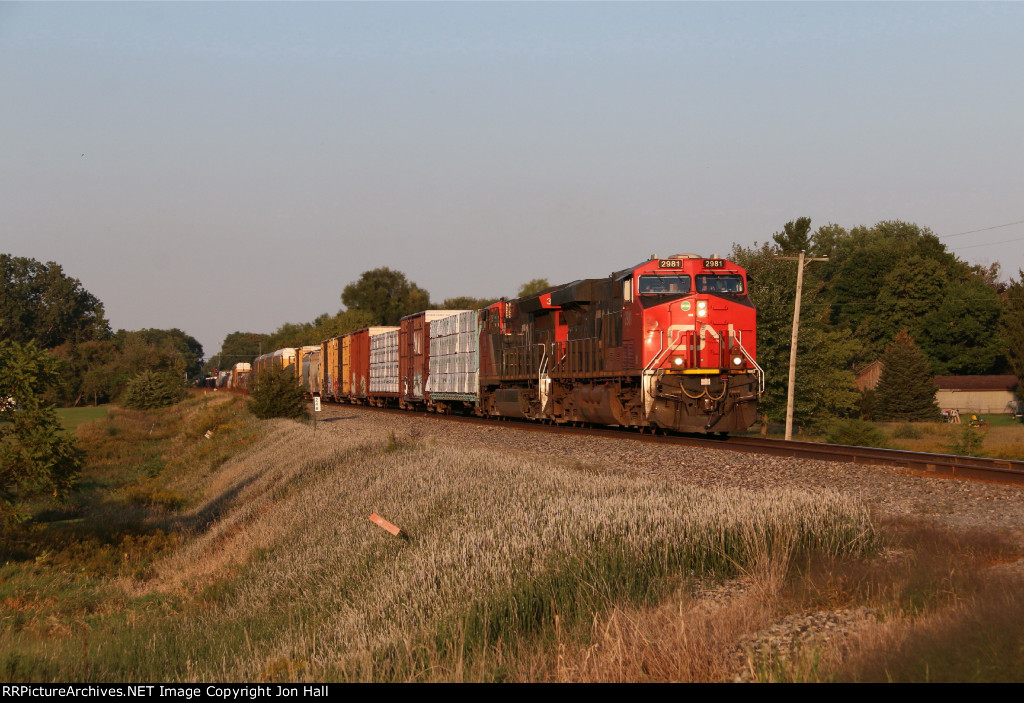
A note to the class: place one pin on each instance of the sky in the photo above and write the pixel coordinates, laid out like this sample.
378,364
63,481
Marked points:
222,167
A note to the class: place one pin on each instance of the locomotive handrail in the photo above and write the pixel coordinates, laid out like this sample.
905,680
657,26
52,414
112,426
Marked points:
760,371
661,344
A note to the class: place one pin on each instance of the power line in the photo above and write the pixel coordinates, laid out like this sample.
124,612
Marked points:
983,229
990,244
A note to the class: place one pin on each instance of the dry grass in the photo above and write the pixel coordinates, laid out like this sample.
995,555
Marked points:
266,568
687,638
282,576
998,440
941,607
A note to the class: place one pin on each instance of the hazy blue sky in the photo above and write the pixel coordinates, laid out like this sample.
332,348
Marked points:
231,166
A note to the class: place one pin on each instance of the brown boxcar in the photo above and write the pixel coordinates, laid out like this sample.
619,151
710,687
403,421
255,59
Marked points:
414,353
359,367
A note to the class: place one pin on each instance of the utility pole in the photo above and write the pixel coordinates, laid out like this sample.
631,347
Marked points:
801,262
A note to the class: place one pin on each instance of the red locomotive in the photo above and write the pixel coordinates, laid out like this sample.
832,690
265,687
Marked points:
670,343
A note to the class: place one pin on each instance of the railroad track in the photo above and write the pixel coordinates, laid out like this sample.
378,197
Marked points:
939,465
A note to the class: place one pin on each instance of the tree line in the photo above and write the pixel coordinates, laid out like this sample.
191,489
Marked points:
380,296
43,306
57,348
890,291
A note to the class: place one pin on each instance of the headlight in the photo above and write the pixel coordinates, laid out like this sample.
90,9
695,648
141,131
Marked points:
678,360
736,358
702,308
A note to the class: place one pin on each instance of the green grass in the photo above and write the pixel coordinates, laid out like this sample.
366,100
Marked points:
1001,438
1004,420
71,418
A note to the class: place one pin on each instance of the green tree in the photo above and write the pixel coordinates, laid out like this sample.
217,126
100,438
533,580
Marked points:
893,269
532,287
345,321
825,239
169,349
906,389
237,347
153,389
961,334
290,334
35,458
275,392
795,235
100,370
87,372
824,379
912,289
1013,328
466,302
38,302
385,295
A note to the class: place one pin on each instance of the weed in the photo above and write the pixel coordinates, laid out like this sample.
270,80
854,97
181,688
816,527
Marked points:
857,433
1013,451
907,431
967,442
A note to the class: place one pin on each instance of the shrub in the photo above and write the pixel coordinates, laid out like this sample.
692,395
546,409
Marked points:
153,389
36,459
856,433
276,393
907,431
967,442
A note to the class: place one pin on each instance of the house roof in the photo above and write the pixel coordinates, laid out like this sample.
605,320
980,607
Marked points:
868,368
976,383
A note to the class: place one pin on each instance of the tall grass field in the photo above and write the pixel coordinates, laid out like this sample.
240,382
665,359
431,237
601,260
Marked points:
205,545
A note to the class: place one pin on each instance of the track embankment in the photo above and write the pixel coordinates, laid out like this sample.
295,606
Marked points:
895,484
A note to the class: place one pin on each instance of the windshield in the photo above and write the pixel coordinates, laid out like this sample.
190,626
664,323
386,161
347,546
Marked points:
664,285
718,283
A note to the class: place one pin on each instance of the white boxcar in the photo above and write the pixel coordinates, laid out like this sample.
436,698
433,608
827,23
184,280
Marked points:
454,357
384,362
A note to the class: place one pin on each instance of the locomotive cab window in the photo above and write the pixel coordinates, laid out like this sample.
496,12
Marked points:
720,283
664,285
655,290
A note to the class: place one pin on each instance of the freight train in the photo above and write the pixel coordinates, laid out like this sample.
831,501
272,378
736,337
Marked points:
670,343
